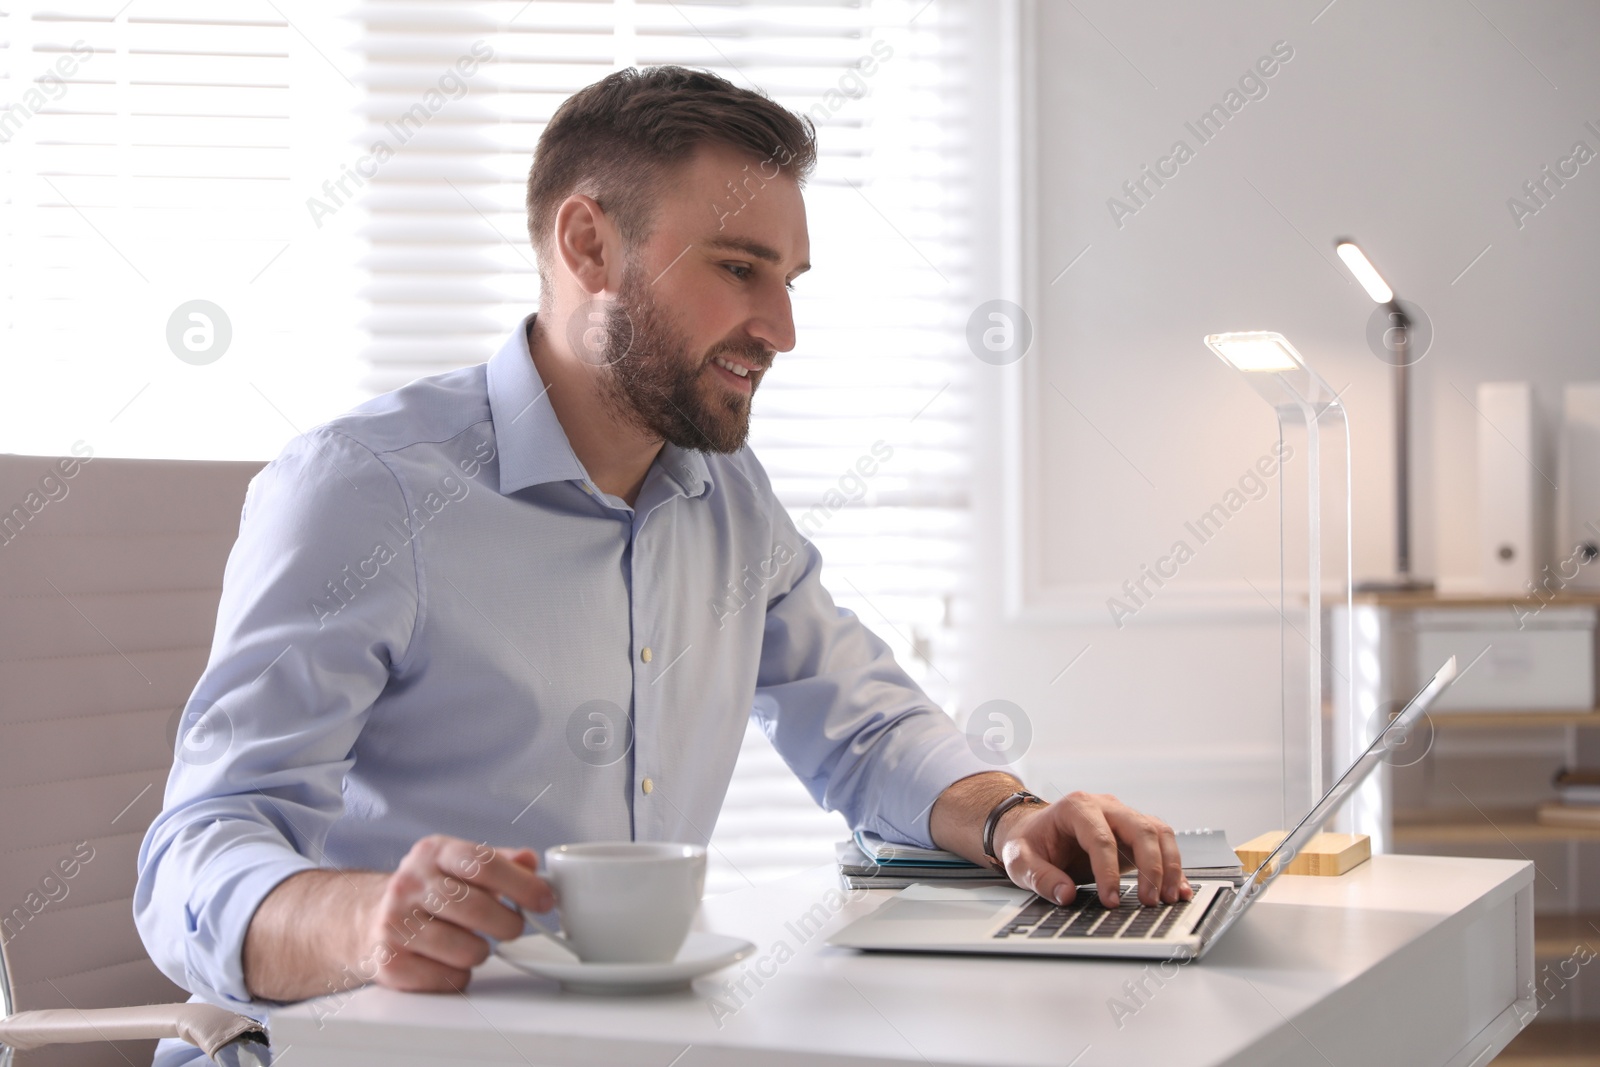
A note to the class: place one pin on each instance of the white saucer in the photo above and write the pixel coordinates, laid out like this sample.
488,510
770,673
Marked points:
701,953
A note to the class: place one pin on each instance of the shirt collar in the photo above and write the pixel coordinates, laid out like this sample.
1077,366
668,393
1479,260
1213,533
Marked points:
686,467
534,449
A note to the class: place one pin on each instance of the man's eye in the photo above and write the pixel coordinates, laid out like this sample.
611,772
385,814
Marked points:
738,270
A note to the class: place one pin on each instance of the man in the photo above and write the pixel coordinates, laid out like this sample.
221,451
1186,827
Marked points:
473,618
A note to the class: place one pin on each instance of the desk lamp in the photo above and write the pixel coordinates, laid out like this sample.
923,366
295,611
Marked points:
1397,339
1314,448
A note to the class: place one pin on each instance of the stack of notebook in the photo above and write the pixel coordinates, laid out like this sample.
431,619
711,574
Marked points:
1207,854
1578,803
869,862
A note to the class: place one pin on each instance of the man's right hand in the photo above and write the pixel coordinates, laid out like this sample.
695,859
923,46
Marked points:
426,931
421,929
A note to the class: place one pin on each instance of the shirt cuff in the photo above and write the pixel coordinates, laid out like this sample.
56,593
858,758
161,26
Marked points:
904,812
219,910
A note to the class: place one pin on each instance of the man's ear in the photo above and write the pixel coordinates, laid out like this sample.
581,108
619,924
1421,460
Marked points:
587,244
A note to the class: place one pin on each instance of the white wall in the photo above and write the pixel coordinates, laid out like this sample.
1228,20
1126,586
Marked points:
1407,125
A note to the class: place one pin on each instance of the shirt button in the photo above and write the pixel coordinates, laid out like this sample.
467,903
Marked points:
647,785
645,654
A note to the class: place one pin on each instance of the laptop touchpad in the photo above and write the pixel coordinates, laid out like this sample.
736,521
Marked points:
972,910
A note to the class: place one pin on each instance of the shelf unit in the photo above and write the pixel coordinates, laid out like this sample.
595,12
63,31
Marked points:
1563,1044
1557,936
1475,792
1495,719
1481,826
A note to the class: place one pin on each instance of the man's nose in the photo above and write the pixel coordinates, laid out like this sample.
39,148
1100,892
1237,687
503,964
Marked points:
773,323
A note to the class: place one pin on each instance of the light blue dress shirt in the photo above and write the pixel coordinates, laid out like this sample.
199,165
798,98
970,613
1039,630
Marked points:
434,622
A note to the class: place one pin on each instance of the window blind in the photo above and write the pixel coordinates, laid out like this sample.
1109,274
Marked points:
879,377
225,150
158,153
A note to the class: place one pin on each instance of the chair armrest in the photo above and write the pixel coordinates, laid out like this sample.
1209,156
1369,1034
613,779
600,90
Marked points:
205,1025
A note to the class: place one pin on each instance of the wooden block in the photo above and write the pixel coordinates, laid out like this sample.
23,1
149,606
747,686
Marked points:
1326,855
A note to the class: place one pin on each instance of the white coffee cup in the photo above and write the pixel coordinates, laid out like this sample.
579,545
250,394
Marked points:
626,901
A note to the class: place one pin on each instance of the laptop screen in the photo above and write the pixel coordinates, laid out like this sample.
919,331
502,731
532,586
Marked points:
1390,738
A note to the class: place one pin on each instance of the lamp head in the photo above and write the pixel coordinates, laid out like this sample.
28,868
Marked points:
1256,350
1365,273
1278,373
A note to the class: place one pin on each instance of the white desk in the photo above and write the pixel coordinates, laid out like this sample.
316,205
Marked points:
1407,959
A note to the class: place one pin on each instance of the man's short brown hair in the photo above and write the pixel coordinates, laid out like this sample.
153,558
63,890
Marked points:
618,139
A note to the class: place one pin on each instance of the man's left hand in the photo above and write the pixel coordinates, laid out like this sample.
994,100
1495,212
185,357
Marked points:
1051,849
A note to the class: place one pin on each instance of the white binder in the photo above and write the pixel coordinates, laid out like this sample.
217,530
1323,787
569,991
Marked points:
1577,541
1509,545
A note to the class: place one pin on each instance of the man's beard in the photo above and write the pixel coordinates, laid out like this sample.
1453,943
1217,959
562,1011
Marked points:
649,375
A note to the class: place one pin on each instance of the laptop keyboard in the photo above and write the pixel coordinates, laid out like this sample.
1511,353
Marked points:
1087,917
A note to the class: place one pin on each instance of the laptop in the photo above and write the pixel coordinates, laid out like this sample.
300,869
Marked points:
1012,921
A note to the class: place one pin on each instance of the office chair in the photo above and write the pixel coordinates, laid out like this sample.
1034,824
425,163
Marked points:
110,573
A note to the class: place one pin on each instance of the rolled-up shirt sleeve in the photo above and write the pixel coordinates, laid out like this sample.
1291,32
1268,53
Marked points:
848,720
319,602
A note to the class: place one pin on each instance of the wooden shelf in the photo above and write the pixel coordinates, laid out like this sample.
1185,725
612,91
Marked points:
1515,718
1558,936
1473,600
1558,1042
1554,1043
1490,826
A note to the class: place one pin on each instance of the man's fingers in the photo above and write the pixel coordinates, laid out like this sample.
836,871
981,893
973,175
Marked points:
444,942
1140,834
498,872
1174,886
1099,844
489,869
473,909
1031,870
411,972
460,882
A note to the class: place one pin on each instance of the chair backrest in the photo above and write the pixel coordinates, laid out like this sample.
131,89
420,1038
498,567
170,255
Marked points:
110,572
